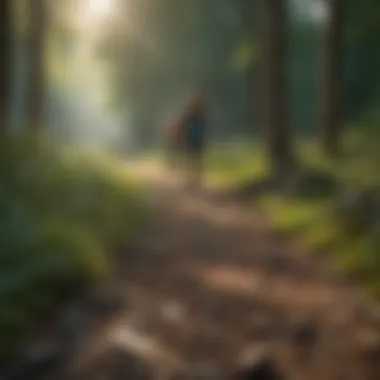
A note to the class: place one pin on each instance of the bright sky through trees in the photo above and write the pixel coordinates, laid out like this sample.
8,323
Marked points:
99,7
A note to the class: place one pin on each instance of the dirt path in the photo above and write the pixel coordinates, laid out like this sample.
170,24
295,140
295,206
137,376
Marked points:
212,280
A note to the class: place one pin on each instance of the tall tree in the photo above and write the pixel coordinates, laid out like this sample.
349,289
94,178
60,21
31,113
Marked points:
36,46
275,88
170,47
5,53
331,100
361,84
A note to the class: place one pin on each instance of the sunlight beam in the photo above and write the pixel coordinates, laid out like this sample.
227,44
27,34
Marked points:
99,7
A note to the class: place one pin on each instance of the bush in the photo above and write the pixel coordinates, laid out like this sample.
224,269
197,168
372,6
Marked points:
60,214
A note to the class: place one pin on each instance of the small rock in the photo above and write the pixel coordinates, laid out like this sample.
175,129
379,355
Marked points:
173,312
146,355
255,363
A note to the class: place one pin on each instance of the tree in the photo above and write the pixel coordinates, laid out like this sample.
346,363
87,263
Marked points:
5,53
171,47
331,110
36,82
275,89
361,85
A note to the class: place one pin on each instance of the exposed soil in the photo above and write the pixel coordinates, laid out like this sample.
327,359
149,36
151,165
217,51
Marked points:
212,279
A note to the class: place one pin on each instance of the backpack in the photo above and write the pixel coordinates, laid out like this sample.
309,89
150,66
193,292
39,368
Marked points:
195,130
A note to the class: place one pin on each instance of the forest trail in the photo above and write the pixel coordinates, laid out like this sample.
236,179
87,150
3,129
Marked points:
212,281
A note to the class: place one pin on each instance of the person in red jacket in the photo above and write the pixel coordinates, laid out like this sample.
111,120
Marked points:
194,131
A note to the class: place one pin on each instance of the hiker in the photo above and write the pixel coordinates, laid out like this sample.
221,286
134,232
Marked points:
194,124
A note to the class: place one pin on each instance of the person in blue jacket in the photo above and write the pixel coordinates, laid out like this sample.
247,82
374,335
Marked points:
194,135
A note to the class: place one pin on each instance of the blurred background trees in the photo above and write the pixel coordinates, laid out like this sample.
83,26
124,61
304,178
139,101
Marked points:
145,58
36,55
283,77
6,17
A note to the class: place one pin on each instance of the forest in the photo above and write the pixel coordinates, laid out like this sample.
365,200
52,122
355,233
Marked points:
281,242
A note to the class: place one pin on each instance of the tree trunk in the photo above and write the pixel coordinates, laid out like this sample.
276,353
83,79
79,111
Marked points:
6,56
275,88
36,85
331,121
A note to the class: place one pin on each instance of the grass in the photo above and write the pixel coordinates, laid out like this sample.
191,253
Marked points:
62,214
312,221
230,164
318,230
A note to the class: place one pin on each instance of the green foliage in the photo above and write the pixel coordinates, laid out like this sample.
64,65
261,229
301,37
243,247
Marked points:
361,87
315,222
172,48
303,68
61,213
318,230
245,55
233,163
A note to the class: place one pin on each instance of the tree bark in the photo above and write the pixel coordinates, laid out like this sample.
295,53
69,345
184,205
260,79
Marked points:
36,46
5,61
275,88
331,107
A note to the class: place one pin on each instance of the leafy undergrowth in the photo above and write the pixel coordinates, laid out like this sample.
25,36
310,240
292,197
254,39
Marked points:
312,221
62,212
321,231
231,164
